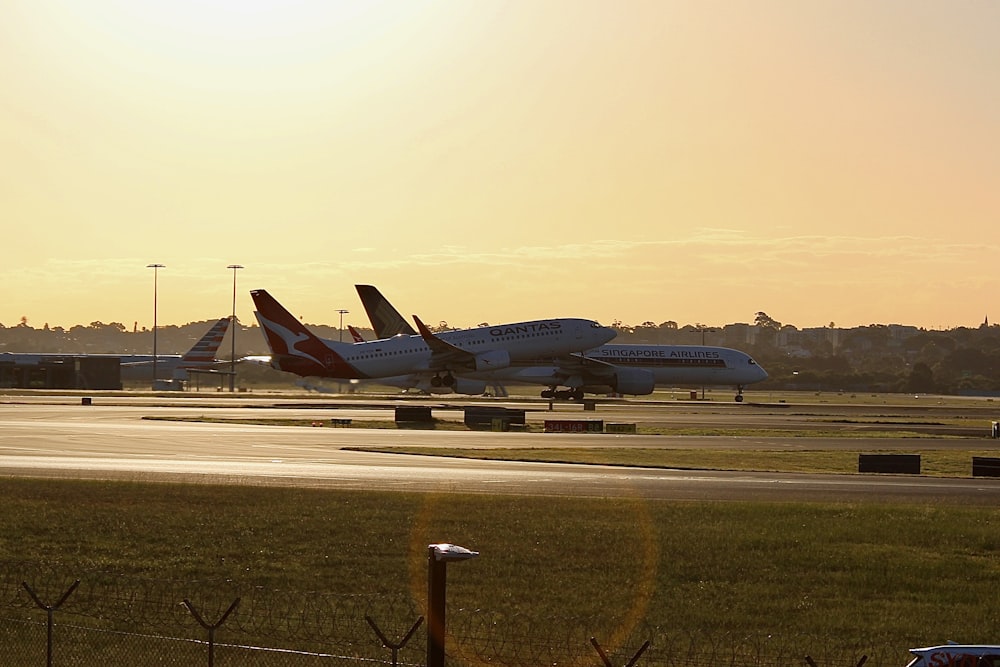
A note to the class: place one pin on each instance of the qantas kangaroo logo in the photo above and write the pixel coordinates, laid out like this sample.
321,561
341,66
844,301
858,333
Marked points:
297,344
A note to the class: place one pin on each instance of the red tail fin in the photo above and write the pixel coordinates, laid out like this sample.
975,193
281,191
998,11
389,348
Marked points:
293,347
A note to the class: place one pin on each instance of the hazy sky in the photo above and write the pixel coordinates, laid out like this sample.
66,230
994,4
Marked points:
694,161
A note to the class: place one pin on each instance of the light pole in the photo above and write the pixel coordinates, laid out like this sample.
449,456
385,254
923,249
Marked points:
438,557
156,268
232,325
702,328
342,311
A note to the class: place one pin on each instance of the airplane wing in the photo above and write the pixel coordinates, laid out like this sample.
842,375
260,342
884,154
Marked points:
443,353
577,370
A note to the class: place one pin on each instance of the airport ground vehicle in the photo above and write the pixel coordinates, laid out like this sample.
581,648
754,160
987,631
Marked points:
956,655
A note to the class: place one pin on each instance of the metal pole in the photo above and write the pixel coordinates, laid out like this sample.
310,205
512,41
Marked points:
702,328
438,556
156,268
211,627
437,574
342,311
703,345
232,326
50,610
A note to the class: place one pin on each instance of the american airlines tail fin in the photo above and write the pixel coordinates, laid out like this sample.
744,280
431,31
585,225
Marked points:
203,352
386,320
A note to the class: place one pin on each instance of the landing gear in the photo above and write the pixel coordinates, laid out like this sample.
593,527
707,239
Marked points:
448,380
739,393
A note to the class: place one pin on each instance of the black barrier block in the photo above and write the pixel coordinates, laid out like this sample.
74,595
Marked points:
908,464
481,418
985,466
414,414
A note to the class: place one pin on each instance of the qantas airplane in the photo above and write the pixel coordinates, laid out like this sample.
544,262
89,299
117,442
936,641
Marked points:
440,356
140,366
623,369
421,382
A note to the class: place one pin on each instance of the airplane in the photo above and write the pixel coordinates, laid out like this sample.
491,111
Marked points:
438,357
358,338
421,382
201,356
623,369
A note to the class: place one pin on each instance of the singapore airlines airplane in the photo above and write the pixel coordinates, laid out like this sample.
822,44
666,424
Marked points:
623,369
297,350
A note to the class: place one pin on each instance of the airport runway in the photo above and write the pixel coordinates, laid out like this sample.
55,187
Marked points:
51,436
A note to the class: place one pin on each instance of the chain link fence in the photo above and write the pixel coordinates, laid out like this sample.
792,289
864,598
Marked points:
109,620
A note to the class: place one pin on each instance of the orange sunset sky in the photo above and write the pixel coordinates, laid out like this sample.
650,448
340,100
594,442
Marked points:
481,161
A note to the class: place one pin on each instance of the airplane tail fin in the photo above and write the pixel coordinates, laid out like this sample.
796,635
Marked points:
386,320
358,338
293,347
203,352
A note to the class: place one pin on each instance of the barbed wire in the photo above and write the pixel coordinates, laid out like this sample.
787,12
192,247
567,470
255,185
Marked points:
334,625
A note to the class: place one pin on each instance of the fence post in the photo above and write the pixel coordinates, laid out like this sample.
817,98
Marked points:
389,645
211,628
49,609
607,662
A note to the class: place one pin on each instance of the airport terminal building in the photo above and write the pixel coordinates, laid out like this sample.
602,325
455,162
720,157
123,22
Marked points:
68,371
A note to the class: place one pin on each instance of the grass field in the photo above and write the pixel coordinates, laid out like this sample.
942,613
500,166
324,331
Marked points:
900,574
939,463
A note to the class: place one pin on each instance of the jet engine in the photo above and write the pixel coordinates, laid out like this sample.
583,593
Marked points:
492,360
633,381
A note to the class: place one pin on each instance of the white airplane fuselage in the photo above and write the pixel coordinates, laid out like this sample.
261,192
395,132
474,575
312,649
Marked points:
656,365
673,365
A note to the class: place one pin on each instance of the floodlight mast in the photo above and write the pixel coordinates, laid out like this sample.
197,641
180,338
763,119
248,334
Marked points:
232,325
156,268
